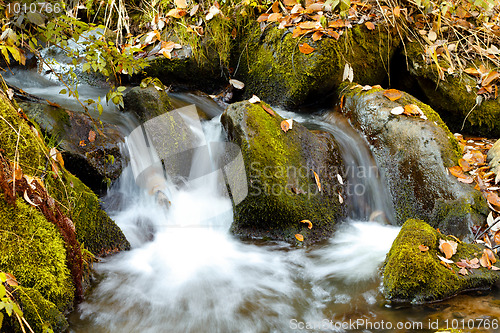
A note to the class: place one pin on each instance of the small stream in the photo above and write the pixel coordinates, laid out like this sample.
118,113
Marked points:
186,273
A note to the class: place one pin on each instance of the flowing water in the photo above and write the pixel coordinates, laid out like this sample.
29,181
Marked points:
186,273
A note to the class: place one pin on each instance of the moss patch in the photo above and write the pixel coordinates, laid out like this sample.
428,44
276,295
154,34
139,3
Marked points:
414,276
273,68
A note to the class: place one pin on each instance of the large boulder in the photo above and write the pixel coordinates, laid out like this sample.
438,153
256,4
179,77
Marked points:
413,155
146,103
280,167
96,162
415,276
273,68
33,247
454,98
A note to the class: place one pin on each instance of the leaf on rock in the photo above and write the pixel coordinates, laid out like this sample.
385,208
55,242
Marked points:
339,178
490,255
457,172
92,136
464,165
316,178
397,110
444,260
412,110
317,35
262,18
286,125
299,237
348,73
370,25
423,248
306,49
237,84
309,223
82,143
492,76
254,99
493,199
485,261
341,200
448,248
463,271
392,94
268,110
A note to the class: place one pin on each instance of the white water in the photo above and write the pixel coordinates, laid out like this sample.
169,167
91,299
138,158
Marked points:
192,276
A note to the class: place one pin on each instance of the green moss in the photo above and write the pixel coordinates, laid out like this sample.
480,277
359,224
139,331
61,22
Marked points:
32,249
414,276
273,67
39,312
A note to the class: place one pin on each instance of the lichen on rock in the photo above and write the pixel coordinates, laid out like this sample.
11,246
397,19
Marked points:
415,276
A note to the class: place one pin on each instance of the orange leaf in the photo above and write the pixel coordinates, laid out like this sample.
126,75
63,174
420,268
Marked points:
464,165
492,76
423,248
472,71
263,18
299,237
274,17
177,13
457,172
82,143
392,94
18,173
92,136
490,255
493,199
333,33
337,24
497,237
297,32
308,25
396,11
309,224
485,261
268,109
276,7
306,49
290,3
316,177
370,25
448,248
53,104
317,35
284,126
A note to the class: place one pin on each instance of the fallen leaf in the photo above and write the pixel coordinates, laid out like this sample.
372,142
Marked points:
464,165
463,271
496,238
396,11
10,93
493,199
490,255
492,76
348,73
339,178
412,110
82,143
443,259
92,136
309,25
275,7
397,110
472,71
448,248
274,17
494,268
180,3
237,84
268,110
194,10
432,35
299,237
341,200
212,12
176,13
316,178
423,248
11,280
317,35
457,172
392,94
286,125
53,104
262,18
337,24
467,180
309,224
254,99
306,49
28,199
18,173
485,261
370,25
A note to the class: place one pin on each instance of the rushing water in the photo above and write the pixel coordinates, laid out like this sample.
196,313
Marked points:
186,273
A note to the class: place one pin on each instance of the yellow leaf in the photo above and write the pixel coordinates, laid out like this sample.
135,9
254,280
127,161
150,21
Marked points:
299,237
318,183
309,224
176,13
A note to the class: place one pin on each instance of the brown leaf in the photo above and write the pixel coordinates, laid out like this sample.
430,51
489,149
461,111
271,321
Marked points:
308,25
337,24
492,76
316,178
309,224
274,17
180,3
370,25
396,11
485,261
286,125
392,94
92,136
82,143
497,237
463,271
176,13
53,104
472,71
11,280
276,7
193,10
423,248
490,255
268,110
333,33
297,32
306,49
457,172
412,110
262,18
464,165
299,237
18,173
290,3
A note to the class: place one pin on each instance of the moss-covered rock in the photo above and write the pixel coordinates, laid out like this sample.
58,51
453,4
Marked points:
451,98
281,185
411,275
146,103
273,68
414,155
96,162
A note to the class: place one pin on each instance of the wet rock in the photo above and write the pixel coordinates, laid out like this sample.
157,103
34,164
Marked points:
413,155
146,103
96,162
451,98
413,276
494,160
273,68
279,167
